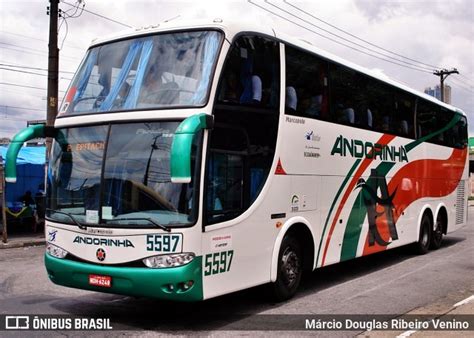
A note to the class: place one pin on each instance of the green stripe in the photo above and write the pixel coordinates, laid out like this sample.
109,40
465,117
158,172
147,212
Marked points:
348,176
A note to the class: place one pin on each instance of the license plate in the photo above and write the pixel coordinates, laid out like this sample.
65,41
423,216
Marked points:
102,281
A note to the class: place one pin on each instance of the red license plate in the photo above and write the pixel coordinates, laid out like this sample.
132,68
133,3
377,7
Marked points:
103,281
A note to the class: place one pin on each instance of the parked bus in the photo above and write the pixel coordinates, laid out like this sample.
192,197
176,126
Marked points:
192,160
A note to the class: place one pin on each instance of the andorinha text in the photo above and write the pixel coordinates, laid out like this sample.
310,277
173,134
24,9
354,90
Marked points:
360,149
103,241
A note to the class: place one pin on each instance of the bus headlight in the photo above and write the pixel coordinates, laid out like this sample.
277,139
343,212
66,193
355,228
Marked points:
169,261
55,251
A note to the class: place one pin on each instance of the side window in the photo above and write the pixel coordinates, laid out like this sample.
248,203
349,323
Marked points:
426,119
344,94
251,74
306,85
403,114
242,144
378,105
460,133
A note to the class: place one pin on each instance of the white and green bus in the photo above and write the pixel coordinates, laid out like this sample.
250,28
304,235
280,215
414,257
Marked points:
195,159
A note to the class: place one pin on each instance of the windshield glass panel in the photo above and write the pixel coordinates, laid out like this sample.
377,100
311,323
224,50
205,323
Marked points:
134,163
166,70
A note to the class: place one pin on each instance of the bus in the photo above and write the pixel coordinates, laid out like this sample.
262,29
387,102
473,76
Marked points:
195,159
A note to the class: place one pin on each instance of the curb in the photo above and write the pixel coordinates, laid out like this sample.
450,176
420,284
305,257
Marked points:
22,244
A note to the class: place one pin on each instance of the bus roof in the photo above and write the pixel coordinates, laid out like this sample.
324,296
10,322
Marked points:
231,28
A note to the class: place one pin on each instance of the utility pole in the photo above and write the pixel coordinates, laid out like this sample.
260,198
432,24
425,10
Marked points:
53,69
443,74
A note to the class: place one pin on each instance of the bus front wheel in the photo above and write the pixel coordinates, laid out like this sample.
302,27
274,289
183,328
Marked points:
424,239
290,269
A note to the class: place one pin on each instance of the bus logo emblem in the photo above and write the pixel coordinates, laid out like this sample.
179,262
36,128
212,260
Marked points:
100,254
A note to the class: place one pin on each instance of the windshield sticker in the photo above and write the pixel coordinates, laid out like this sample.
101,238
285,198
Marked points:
107,213
92,216
100,145
221,242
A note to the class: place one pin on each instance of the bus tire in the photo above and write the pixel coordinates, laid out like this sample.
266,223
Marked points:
290,269
424,238
437,234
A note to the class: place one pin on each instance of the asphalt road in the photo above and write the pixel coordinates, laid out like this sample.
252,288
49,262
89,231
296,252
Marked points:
394,282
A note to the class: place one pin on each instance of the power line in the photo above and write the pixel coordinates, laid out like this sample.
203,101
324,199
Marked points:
32,68
24,86
22,71
461,85
347,40
101,16
340,43
32,51
37,39
25,108
358,38
466,78
462,81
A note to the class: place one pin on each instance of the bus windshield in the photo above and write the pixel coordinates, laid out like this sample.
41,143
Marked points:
157,71
118,175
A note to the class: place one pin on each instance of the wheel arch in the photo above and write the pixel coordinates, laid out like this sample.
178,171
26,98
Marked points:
426,209
301,229
441,210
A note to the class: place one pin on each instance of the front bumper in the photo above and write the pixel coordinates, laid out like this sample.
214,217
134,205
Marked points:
142,282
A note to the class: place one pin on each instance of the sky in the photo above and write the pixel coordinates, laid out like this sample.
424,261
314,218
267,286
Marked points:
438,33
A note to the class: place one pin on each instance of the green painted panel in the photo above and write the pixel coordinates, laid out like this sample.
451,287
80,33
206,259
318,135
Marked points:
142,282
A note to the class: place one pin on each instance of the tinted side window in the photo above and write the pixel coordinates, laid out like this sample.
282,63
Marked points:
402,118
251,74
306,85
431,119
378,105
344,94
460,133
246,114
426,118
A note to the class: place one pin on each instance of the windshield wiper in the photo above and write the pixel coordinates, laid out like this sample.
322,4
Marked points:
81,226
155,223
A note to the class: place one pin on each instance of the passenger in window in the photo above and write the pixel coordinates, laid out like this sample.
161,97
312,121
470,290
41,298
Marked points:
403,128
313,103
252,83
122,96
345,114
291,101
365,118
230,91
155,90
386,124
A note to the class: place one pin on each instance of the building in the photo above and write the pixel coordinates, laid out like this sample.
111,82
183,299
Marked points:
37,142
436,92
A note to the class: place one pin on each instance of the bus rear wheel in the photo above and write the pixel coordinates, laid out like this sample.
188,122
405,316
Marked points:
424,239
290,269
437,235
